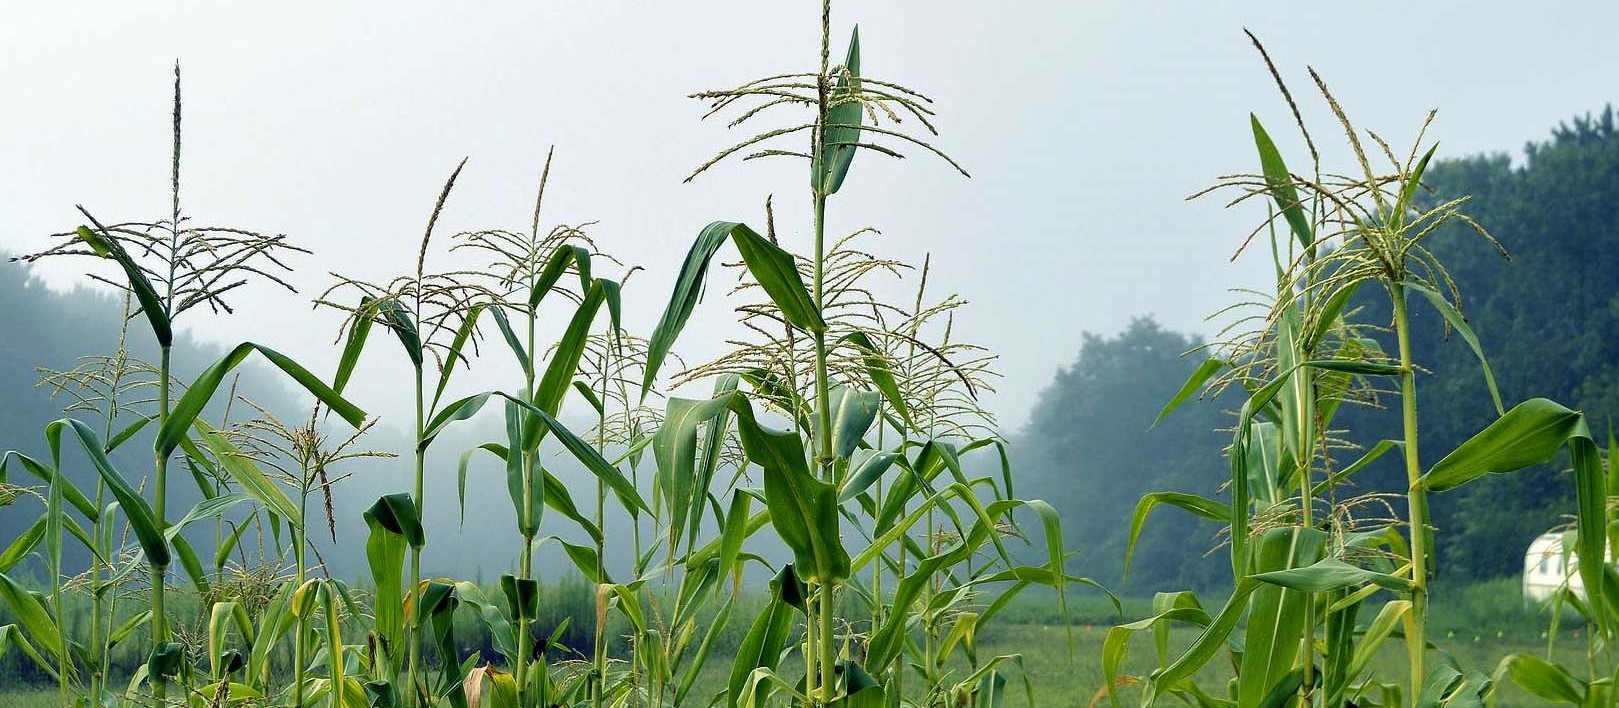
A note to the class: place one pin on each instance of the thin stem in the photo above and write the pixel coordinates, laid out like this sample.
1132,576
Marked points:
1305,400
829,648
299,659
415,651
160,620
1417,497
600,648
525,570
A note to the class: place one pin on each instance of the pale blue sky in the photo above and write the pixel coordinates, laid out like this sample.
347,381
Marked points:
1084,125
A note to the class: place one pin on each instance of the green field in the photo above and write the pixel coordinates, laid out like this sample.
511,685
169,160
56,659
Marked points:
1061,682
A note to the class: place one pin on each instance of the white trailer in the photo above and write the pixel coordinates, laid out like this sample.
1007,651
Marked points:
1547,568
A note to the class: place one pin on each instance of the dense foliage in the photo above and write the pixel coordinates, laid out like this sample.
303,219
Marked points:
1091,448
1548,318
839,431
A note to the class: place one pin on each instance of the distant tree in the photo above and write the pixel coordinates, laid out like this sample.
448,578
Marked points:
1091,450
1548,319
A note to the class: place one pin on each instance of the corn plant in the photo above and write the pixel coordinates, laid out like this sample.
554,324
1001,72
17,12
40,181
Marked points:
1302,571
529,267
1593,684
811,485
170,267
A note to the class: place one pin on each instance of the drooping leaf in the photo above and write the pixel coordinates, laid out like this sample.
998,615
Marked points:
1543,679
252,480
202,391
1454,318
1528,434
353,344
772,267
152,305
866,473
141,519
1199,506
881,373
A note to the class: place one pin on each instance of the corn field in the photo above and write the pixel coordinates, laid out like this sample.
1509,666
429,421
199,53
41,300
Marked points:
842,427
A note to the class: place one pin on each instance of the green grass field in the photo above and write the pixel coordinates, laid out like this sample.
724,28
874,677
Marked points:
1061,681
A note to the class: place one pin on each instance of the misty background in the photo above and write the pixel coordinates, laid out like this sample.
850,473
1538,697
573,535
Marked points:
1084,127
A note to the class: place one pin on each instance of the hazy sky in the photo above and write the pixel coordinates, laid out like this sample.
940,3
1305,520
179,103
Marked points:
1084,124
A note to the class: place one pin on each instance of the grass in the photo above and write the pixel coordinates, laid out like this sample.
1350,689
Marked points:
1061,682
1475,623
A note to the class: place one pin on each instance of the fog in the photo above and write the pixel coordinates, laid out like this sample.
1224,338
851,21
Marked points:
1083,125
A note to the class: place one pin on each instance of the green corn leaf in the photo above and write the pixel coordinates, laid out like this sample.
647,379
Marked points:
1199,506
1276,614
525,488
513,343
1370,456
1205,646
1392,615
674,450
590,397
1543,679
1591,492
578,256
777,273
522,596
556,493
1454,318
881,373
841,132
397,318
803,509
52,478
33,617
396,513
733,534
716,626
388,520
1200,376
227,546
136,510
1184,608
763,645
455,411
569,350
202,391
853,412
866,473
128,627
713,450
1331,574
771,266
1408,191
1528,434
888,642
585,559
592,460
454,355
353,344
128,432
11,635
206,509
1279,182
152,305
252,480
23,545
